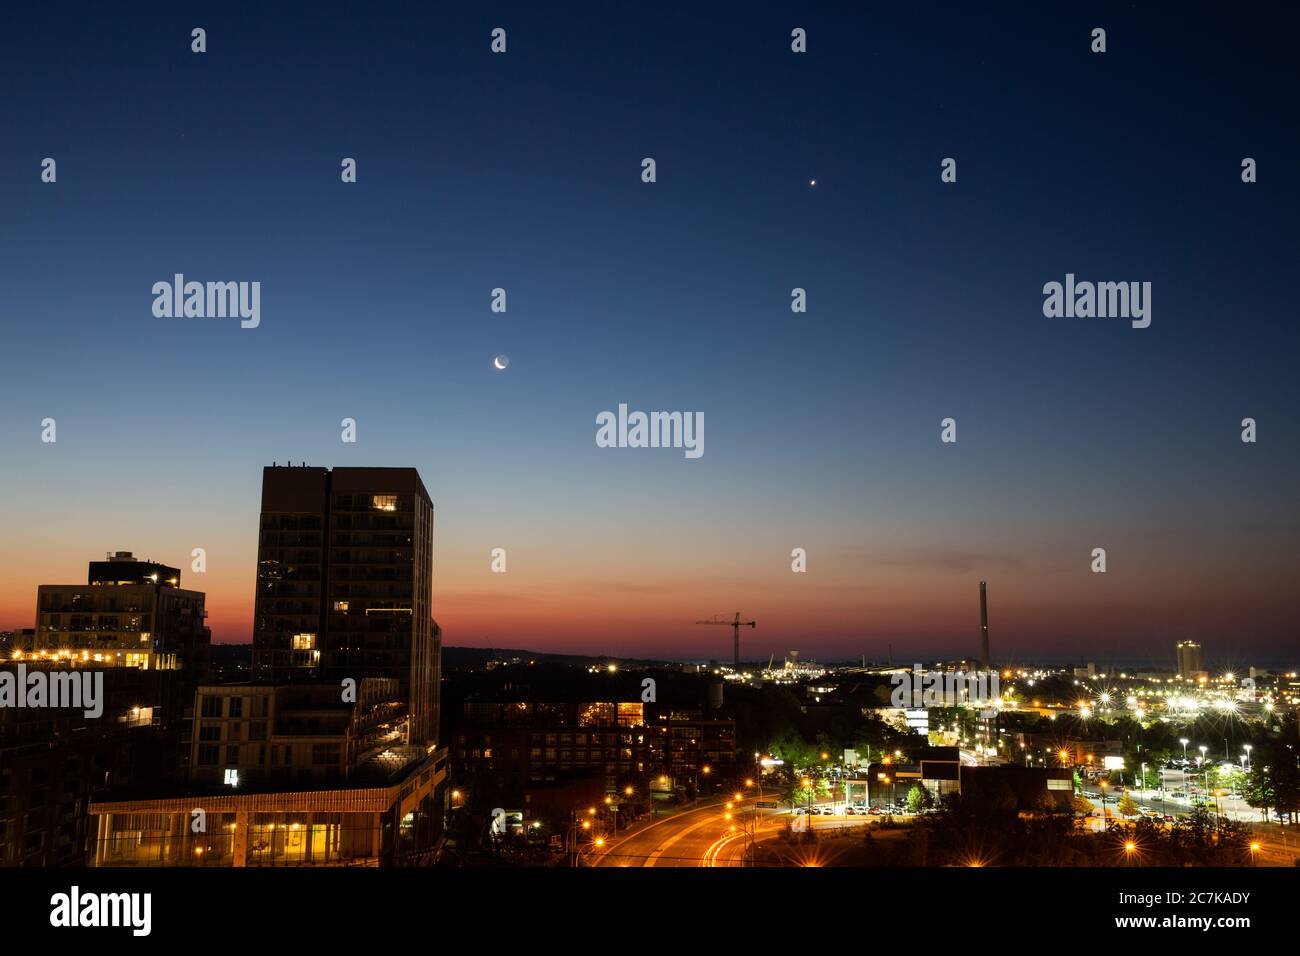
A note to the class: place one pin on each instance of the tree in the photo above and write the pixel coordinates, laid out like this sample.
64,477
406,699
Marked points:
818,789
794,750
1126,806
1151,778
1258,789
918,799
1083,806
1284,773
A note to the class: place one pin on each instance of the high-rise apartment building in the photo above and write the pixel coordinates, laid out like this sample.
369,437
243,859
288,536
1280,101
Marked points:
344,581
1189,659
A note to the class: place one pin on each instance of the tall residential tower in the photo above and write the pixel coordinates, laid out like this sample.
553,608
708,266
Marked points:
1189,660
344,579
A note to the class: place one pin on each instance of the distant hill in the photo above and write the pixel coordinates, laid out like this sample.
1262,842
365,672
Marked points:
478,656
234,655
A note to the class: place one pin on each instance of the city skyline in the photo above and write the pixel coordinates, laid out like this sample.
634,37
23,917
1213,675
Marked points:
457,449
696,648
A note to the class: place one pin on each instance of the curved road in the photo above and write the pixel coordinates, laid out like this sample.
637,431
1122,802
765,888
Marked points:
701,836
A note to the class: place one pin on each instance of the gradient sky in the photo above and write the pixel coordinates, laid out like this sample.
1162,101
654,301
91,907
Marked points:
822,430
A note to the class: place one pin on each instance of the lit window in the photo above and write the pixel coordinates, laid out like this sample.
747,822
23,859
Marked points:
340,605
304,642
384,502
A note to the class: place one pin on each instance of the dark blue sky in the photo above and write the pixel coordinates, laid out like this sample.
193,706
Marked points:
522,171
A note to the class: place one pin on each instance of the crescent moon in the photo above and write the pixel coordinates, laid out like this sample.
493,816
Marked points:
500,362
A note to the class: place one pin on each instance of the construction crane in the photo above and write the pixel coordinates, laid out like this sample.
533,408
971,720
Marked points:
736,624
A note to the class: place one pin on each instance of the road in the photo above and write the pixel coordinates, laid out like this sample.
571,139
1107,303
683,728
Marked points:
703,836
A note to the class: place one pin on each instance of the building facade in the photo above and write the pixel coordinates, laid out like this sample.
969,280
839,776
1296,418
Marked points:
287,775
1189,660
520,744
129,613
55,760
344,582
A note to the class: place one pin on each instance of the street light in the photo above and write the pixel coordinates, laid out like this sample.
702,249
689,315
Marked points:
1248,748
1183,741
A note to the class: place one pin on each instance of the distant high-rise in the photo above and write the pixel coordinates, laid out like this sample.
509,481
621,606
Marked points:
984,627
1189,659
344,581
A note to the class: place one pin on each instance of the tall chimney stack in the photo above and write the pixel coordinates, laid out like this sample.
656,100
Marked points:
984,627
